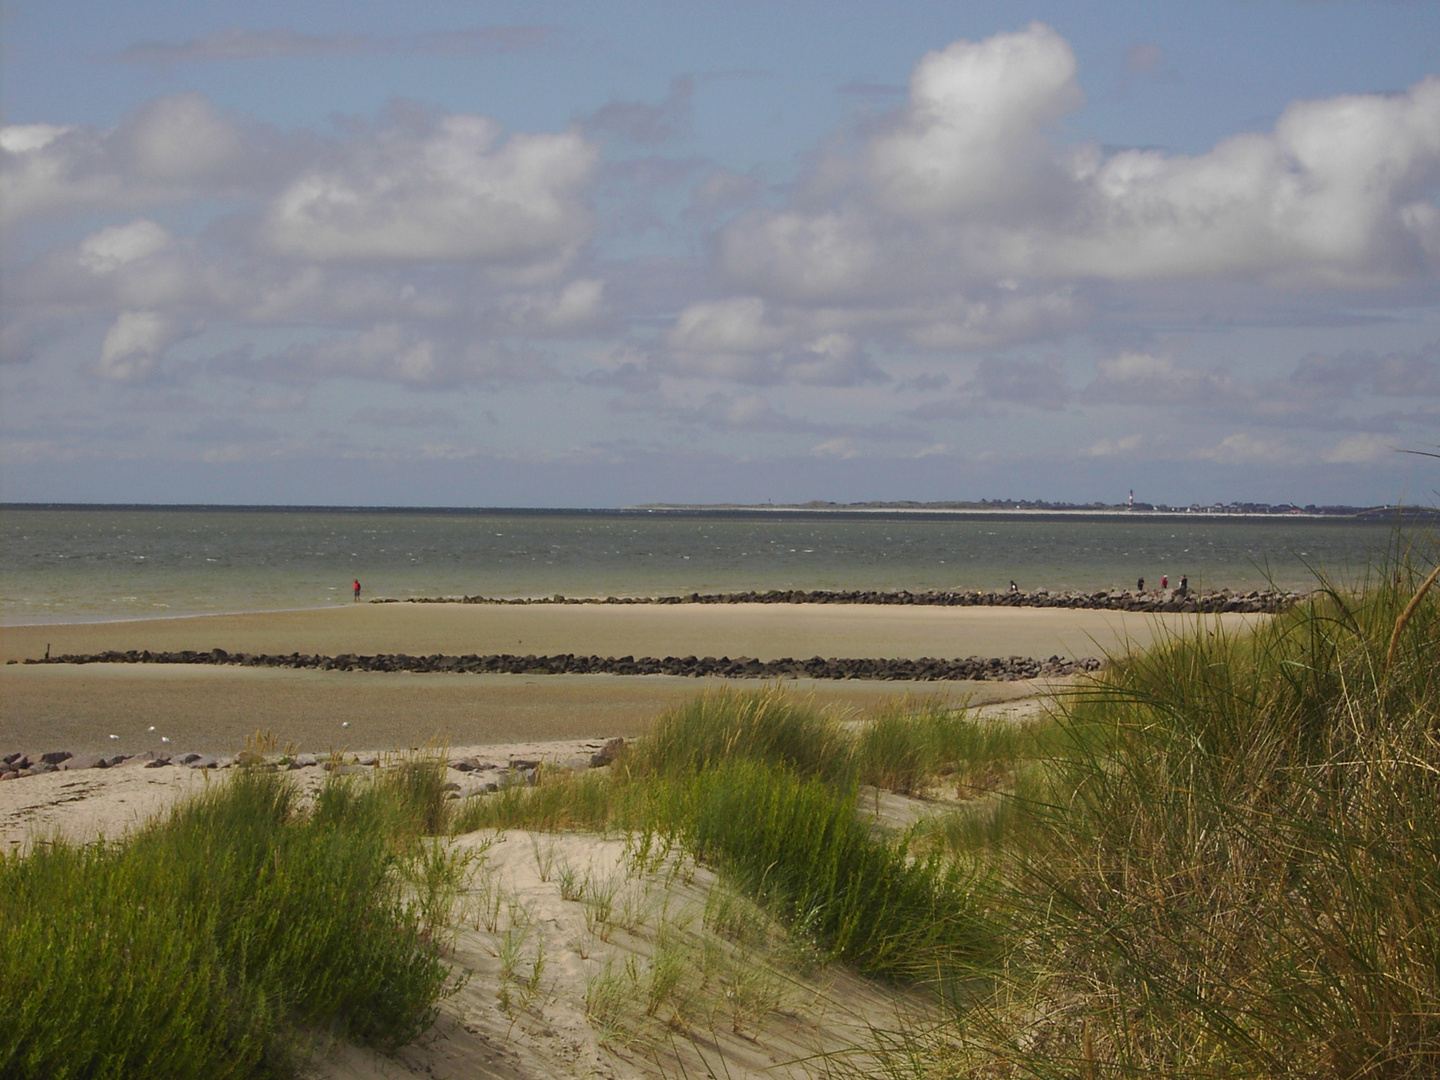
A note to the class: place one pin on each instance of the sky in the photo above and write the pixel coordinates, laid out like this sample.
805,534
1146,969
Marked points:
613,253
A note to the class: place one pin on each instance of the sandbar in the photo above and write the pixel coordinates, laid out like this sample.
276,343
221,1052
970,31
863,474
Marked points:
214,709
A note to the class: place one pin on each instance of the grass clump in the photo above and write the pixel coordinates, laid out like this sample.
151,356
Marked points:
797,845
905,747
770,726
216,942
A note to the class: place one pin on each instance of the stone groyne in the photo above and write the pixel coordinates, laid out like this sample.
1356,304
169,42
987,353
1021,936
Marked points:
925,669
1210,601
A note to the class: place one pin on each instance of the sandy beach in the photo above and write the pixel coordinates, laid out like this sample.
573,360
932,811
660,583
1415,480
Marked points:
493,1025
213,710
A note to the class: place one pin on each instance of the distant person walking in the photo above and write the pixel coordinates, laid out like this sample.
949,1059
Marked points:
357,589
1140,585
1184,584
1014,587
1164,581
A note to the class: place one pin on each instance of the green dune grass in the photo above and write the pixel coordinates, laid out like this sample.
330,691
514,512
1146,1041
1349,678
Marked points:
220,940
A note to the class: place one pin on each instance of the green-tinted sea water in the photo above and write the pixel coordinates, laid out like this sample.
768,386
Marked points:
80,565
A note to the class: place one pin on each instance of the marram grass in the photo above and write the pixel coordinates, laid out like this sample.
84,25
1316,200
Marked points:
763,786
1231,865
216,942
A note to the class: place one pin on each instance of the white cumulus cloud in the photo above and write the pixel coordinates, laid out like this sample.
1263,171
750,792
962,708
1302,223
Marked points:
966,222
135,345
449,190
170,150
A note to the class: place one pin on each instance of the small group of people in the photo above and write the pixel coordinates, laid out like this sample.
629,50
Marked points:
1182,587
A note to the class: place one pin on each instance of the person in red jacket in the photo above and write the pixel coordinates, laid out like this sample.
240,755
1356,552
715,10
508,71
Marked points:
357,588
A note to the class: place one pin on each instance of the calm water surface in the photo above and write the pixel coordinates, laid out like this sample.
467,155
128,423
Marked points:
73,565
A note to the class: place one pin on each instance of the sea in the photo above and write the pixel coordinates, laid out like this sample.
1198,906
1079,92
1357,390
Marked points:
93,564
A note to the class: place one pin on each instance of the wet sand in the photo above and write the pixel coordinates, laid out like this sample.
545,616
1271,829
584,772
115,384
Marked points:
212,710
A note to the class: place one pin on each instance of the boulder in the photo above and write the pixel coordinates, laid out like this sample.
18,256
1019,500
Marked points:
606,754
85,761
55,757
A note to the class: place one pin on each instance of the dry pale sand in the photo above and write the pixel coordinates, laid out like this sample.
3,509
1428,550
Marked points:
213,709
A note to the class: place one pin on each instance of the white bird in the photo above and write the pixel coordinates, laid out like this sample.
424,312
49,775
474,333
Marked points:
150,728
114,736
164,738
345,723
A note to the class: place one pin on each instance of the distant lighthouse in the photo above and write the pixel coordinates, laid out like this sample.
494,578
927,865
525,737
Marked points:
1130,503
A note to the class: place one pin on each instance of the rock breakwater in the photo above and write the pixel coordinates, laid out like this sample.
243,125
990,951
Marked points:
1207,602
924,669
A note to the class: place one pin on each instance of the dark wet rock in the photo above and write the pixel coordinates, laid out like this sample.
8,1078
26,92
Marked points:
462,765
158,763
451,786
518,764
201,761
185,759
15,762
41,767
55,757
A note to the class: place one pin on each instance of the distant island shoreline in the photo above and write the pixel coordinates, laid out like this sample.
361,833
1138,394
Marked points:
1028,510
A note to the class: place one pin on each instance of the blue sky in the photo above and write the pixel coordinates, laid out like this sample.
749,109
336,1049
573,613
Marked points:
610,253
